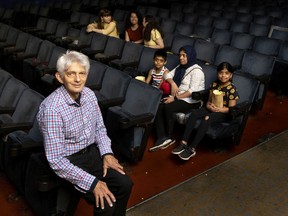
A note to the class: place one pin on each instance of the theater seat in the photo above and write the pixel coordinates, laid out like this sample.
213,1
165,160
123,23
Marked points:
129,124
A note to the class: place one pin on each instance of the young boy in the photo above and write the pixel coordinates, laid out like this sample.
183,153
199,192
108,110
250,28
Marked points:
158,72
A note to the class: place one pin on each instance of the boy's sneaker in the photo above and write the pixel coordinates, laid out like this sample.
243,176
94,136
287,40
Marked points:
161,143
169,143
179,149
187,154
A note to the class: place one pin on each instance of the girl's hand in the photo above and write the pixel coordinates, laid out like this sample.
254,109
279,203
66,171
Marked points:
212,107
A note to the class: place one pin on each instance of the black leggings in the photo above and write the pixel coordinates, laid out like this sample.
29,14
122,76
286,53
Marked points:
164,121
120,185
206,118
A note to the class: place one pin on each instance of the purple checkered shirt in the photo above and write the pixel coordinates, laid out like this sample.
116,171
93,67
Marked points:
69,127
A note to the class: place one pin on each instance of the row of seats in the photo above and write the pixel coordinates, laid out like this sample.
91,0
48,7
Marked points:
117,53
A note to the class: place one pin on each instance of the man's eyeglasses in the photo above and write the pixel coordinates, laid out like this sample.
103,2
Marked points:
72,74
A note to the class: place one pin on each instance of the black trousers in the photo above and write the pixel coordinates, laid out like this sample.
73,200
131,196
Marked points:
206,118
164,120
120,185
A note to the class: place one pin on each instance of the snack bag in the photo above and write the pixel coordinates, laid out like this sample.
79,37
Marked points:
217,98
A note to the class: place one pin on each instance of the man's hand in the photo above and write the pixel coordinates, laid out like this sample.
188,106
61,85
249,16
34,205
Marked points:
101,192
110,161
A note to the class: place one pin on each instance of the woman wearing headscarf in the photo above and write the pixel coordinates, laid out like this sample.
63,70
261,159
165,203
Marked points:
186,78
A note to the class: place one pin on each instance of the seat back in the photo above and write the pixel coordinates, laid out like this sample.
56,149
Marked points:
4,31
131,52
257,64
33,45
21,41
62,29
266,46
145,63
4,77
205,20
260,67
183,29
221,23
172,61
246,86
141,98
229,54
11,36
56,53
238,26
12,92
221,36
206,51
114,47
96,74
27,106
203,32
84,38
242,41
98,41
259,29
190,18
51,26
114,84
168,26
180,41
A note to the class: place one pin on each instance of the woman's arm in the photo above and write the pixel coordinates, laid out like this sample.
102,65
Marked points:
111,27
127,36
91,27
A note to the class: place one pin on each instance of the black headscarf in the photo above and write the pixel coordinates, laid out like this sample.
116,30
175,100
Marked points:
180,71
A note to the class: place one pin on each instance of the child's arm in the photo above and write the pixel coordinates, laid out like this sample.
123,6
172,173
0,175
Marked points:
163,77
149,77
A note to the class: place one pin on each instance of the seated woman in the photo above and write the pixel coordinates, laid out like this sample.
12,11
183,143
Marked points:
152,34
104,25
186,78
209,114
134,28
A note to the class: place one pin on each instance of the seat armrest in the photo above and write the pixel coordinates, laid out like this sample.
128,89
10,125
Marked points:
264,78
7,110
10,127
106,103
130,64
47,182
240,109
16,150
89,52
22,56
127,120
201,95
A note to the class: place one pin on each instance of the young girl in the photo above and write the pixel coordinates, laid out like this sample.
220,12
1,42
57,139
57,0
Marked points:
104,25
157,74
211,113
134,28
152,35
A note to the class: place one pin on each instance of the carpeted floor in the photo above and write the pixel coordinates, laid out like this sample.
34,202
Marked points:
252,183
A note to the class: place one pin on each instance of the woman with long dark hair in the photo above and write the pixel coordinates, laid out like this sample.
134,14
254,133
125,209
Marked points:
134,27
152,35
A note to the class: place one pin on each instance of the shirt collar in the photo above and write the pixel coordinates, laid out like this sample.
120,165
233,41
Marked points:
68,98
